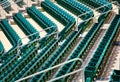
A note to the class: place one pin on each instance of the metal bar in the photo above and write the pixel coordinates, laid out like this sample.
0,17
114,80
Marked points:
19,46
65,75
37,39
61,64
34,33
77,24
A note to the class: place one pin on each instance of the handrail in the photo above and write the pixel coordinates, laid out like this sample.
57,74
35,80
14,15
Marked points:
37,39
19,46
61,64
77,22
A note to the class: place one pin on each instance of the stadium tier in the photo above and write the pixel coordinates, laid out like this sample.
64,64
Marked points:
76,8
36,35
25,26
102,5
12,37
79,52
41,19
59,14
97,61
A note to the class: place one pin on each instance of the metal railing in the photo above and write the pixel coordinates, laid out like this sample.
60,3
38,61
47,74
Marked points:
77,23
48,69
18,47
37,39
77,20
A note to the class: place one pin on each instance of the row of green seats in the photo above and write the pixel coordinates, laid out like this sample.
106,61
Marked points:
9,32
76,8
57,10
13,59
97,62
59,14
7,74
59,54
27,28
12,37
10,53
34,65
41,19
7,65
98,3
44,22
103,2
45,40
115,77
17,41
79,51
1,49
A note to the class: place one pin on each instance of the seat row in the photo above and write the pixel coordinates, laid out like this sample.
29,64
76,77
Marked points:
76,8
44,22
1,49
78,52
9,72
58,55
9,32
13,62
28,29
41,19
25,26
10,62
105,6
115,77
41,57
97,62
58,11
11,35
60,15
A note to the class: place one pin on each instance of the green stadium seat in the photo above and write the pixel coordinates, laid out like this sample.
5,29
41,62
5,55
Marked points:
61,16
76,8
27,28
1,49
18,66
102,49
78,52
58,55
12,37
98,3
38,60
41,19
